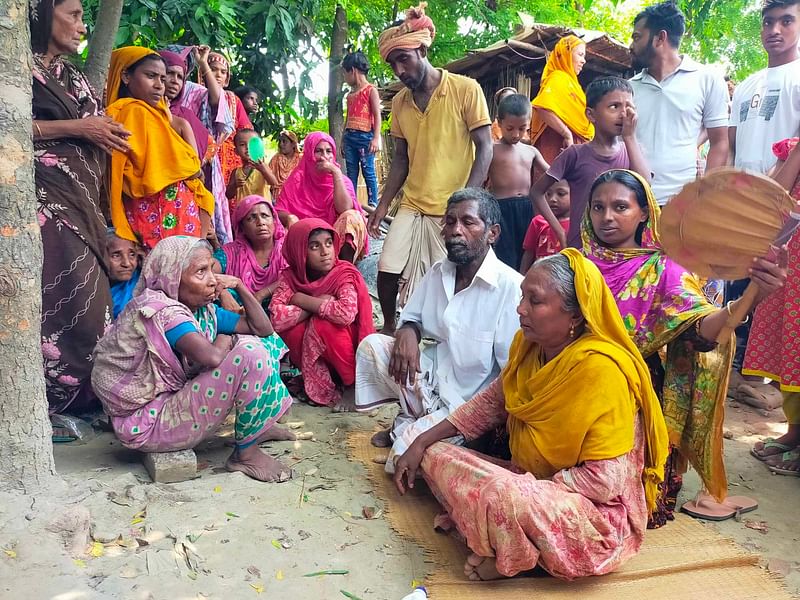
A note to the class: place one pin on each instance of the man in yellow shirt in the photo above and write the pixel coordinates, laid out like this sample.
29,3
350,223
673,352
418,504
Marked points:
443,143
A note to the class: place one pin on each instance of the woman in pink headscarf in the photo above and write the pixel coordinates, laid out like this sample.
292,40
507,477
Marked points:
255,254
317,189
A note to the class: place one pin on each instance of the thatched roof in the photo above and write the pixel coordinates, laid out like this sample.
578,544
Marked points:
526,52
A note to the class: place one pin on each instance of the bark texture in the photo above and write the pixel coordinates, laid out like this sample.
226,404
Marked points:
26,450
102,43
336,78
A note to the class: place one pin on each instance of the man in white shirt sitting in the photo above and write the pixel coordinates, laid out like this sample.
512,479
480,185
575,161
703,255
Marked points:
464,312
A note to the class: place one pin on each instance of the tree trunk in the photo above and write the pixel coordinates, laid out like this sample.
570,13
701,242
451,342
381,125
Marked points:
102,43
26,458
336,78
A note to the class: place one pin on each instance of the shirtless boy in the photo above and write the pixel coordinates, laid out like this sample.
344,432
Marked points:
510,176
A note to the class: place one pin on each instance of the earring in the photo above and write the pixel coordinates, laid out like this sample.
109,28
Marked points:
572,331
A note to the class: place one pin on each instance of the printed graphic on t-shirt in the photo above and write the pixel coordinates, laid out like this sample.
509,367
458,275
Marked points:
768,106
765,106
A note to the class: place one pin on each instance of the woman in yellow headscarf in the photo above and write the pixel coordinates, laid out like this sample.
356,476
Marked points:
588,440
559,109
154,187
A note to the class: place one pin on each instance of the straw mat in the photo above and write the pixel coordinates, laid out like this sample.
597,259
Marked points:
683,560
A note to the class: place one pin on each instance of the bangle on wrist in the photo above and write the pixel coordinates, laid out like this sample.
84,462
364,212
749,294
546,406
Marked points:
730,313
38,129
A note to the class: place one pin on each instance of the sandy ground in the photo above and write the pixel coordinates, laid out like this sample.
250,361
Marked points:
224,535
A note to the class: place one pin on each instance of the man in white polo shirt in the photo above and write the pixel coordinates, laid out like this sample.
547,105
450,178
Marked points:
676,98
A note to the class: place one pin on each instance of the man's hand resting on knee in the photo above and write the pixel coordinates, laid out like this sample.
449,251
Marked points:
404,364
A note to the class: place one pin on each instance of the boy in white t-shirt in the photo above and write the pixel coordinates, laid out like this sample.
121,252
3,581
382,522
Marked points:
766,106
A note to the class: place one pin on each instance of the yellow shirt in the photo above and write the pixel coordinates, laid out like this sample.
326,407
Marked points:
440,150
254,184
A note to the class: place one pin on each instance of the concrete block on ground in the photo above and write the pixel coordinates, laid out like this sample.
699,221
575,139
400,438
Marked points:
171,467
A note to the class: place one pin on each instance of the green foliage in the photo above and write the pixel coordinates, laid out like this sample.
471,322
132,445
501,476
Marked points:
726,31
274,45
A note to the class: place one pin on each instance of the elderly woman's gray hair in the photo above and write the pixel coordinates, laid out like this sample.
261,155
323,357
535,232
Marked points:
201,244
563,277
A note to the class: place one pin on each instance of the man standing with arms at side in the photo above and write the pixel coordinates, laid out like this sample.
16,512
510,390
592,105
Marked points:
443,142
765,110
676,98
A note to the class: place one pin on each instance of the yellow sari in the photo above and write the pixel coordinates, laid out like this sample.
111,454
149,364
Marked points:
582,404
561,93
158,157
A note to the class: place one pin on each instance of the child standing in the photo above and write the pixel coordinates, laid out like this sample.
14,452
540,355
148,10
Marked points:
609,106
252,178
362,130
541,240
499,96
510,177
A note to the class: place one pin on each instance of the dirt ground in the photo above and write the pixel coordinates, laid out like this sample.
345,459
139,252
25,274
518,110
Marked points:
223,535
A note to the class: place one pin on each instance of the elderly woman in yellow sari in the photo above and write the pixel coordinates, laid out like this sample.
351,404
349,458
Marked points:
559,109
664,308
588,440
155,190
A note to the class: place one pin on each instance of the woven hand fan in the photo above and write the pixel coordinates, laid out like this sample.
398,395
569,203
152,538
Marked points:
717,225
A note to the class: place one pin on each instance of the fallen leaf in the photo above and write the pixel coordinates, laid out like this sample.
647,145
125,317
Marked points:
217,489
254,571
276,544
327,572
258,587
10,553
415,584
81,564
232,515
279,575
97,550
192,575
124,542
760,526
193,537
370,512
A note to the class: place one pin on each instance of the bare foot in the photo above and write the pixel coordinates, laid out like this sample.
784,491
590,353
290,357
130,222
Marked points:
481,568
348,401
273,434
382,439
254,463
277,434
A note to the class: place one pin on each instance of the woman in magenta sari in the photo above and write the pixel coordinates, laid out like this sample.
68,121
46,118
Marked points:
317,189
255,255
206,103
665,309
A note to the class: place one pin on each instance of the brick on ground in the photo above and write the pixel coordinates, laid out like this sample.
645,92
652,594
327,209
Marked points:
171,467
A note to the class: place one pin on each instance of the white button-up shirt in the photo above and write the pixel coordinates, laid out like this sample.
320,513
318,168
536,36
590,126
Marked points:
672,113
472,329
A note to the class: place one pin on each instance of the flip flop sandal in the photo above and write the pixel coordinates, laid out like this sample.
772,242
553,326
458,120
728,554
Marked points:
770,443
794,456
62,435
706,508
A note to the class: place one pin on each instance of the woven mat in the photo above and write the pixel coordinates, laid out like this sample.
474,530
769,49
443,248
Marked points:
683,560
